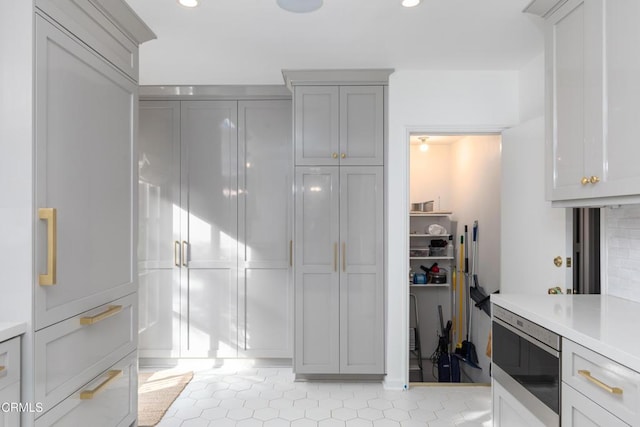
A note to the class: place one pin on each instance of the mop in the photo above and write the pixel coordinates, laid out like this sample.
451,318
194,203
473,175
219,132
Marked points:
467,351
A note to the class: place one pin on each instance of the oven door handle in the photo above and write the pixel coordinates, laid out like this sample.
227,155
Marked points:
528,338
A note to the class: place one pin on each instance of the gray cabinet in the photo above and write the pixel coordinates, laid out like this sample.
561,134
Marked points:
71,226
339,136
265,218
339,284
592,92
215,209
339,125
209,228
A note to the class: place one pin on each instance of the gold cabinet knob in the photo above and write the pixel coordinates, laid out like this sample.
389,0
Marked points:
584,180
334,155
557,261
343,155
594,179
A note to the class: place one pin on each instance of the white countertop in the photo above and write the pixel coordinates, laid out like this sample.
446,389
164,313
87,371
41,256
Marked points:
10,330
605,324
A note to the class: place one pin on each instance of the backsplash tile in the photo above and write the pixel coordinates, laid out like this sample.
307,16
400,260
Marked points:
622,231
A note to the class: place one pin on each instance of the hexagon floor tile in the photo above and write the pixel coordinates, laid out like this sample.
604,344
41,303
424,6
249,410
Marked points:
269,397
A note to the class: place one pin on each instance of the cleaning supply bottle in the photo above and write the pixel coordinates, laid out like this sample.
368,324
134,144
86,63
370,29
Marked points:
450,247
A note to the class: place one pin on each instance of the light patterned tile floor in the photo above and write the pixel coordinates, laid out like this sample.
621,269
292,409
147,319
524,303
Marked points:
269,397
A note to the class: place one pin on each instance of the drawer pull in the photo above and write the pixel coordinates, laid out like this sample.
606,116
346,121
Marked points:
2,368
50,215
587,374
90,394
111,310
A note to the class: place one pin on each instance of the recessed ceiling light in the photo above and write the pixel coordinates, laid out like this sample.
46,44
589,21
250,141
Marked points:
410,3
188,3
300,6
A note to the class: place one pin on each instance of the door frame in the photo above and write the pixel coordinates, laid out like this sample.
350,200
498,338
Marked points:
398,238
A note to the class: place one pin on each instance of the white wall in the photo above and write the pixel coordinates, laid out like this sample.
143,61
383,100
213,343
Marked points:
476,196
531,84
454,101
430,176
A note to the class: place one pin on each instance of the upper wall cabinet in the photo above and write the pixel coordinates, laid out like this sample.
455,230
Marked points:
592,108
337,122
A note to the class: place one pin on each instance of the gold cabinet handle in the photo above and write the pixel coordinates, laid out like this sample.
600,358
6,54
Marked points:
334,155
344,257
343,155
584,180
185,253
335,256
50,215
594,179
2,368
110,311
290,253
587,374
90,394
176,253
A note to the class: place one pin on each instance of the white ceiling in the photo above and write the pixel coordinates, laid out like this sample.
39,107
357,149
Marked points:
251,41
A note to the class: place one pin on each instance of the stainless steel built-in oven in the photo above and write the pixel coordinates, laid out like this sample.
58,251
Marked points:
526,362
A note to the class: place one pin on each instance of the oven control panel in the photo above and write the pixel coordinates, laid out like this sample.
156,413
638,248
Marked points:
528,327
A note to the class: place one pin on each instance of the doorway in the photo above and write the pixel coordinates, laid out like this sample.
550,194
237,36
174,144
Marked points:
454,181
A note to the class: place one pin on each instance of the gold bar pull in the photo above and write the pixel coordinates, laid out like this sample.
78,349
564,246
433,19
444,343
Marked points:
110,311
176,253
185,253
290,253
586,374
90,394
344,257
50,215
335,256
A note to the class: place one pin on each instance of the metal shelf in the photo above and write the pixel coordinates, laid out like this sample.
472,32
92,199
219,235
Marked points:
413,213
430,285
428,235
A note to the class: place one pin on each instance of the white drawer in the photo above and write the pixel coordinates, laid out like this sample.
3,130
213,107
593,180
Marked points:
90,25
577,410
602,380
73,352
108,400
9,362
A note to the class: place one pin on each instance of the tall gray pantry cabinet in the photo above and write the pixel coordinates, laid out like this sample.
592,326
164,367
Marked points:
339,135
215,208
68,129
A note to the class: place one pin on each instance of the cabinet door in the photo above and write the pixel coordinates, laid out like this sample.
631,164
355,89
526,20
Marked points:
9,395
265,179
209,228
158,183
316,121
361,260
620,173
507,411
317,296
579,411
159,228
574,98
85,134
361,125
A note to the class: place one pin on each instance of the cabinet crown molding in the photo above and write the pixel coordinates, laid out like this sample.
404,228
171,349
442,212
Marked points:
352,77
121,14
543,8
214,92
